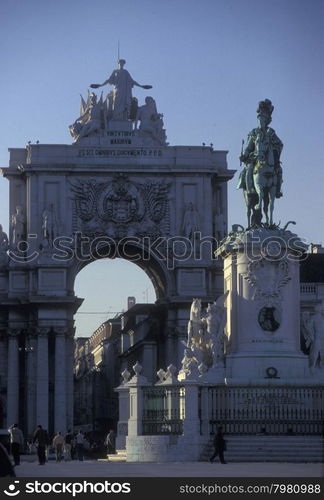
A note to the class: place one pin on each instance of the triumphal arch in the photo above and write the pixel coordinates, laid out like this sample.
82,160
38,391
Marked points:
119,189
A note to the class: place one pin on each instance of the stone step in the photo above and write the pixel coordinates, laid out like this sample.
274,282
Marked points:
270,449
119,456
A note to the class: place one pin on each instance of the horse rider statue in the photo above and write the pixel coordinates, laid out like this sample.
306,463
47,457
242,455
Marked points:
261,178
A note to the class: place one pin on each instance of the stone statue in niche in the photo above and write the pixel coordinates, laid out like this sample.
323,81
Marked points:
18,221
220,225
122,93
261,177
190,224
91,119
4,245
49,226
312,326
151,123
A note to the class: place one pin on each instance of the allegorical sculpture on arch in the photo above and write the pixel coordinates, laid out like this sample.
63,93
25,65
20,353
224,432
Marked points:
99,116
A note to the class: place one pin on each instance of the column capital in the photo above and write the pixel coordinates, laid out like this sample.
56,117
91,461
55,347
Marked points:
42,331
14,332
61,331
71,332
31,332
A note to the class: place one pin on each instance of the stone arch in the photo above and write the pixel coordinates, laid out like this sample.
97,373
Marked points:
161,277
112,186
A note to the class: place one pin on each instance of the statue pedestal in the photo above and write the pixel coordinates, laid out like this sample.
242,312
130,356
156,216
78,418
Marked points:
261,273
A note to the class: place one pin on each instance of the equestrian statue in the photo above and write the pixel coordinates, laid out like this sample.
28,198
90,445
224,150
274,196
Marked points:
261,177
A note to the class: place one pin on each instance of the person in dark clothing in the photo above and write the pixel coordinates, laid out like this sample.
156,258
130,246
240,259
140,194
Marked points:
6,467
219,446
16,442
111,442
68,442
42,439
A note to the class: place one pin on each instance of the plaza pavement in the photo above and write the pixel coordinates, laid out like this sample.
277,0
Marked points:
92,468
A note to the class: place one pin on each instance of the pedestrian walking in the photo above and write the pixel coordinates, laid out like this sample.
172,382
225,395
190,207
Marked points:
68,441
41,438
6,467
16,442
219,446
111,442
80,445
58,442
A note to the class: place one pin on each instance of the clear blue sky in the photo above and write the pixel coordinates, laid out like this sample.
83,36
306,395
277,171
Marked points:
209,61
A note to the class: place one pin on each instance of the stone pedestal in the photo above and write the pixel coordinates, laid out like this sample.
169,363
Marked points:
261,273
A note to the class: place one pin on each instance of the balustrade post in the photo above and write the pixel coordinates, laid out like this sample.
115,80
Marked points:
123,403
204,411
191,423
136,383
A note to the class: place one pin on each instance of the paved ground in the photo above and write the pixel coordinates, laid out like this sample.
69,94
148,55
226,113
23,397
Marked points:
171,469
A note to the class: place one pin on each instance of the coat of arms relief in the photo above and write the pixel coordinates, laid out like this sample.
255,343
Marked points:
268,279
121,208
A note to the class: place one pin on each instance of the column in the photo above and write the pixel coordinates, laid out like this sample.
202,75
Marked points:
30,353
60,381
13,377
42,377
69,378
3,358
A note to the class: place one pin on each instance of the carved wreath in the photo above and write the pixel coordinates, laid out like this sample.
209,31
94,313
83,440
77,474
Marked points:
268,278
